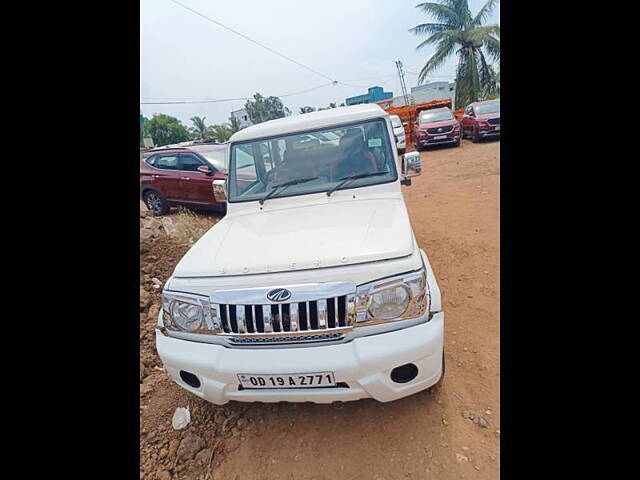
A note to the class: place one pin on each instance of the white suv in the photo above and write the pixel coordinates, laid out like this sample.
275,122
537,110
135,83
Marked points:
398,131
312,287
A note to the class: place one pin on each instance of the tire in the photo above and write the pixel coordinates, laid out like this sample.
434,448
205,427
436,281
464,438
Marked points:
156,203
475,138
457,144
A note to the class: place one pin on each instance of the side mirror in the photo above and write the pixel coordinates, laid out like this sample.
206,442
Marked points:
205,169
411,167
220,190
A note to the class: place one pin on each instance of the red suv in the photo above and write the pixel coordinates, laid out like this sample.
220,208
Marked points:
481,120
436,126
182,176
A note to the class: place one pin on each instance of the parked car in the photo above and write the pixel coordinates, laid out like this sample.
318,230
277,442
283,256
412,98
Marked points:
435,127
312,287
481,120
398,130
182,176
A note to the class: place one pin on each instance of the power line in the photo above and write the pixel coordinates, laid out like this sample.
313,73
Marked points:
252,40
182,102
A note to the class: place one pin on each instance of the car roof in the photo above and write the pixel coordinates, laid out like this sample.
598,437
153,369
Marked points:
485,102
439,109
203,147
310,121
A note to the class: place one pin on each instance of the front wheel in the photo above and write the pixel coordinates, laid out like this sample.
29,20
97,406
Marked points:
156,203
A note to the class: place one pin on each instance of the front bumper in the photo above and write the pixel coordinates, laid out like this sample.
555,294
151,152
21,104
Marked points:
364,364
431,140
490,132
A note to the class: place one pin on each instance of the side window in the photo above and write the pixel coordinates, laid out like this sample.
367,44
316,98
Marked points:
190,162
166,162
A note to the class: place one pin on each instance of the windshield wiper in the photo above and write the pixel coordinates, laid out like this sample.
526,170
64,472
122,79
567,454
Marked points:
275,187
353,177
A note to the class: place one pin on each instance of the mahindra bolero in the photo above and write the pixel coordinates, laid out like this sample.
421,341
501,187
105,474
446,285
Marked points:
313,286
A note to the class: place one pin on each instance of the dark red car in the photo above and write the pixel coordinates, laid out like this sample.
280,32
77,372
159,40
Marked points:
436,126
481,120
182,176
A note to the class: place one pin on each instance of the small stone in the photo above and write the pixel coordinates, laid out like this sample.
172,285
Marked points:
497,432
481,422
476,467
203,456
461,458
465,448
189,446
173,448
145,298
492,457
156,281
163,453
163,475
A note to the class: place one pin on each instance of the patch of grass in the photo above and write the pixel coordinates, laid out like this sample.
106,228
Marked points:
191,226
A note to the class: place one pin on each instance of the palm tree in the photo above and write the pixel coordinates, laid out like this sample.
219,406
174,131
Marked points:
458,31
199,129
234,124
220,133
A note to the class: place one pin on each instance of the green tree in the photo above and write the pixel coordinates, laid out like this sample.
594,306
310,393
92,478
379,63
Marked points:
199,129
261,109
220,133
457,31
144,131
165,130
307,109
234,124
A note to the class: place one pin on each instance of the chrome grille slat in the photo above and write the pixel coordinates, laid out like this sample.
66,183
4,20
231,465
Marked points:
322,314
293,317
240,320
266,318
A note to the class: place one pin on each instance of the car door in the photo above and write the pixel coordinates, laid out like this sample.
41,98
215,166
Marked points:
165,176
196,186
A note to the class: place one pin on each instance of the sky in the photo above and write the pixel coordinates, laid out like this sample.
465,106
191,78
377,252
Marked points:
184,56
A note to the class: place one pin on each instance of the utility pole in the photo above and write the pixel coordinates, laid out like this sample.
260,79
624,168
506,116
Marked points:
402,84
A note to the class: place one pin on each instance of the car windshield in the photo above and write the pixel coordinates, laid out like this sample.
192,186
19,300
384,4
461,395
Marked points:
395,122
322,158
217,158
488,108
428,117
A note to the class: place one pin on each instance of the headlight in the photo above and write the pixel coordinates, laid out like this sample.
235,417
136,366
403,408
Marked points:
188,313
396,298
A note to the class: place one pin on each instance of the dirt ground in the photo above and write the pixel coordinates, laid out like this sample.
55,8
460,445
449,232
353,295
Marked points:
450,433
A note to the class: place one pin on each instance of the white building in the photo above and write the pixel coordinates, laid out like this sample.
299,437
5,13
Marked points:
434,91
424,93
243,117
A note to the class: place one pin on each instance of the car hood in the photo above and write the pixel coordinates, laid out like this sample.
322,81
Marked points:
443,123
299,238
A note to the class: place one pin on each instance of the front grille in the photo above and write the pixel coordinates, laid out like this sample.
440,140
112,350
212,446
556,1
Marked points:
310,316
439,130
494,121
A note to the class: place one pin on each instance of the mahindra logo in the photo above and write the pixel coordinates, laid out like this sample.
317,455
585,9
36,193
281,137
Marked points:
278,294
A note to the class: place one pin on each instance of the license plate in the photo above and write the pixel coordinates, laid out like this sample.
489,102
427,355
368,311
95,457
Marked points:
440,137
294,380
